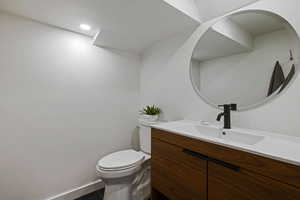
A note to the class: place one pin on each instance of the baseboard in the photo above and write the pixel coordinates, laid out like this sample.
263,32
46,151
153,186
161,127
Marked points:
79,191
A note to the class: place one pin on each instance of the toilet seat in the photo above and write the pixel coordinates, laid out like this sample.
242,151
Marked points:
121,160
121,163
106,174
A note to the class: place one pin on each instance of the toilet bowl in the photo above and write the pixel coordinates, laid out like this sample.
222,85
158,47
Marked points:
126,174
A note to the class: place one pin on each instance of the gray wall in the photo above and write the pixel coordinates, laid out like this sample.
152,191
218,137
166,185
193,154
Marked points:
64,104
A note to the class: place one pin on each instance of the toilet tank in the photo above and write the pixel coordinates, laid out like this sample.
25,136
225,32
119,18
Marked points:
145,138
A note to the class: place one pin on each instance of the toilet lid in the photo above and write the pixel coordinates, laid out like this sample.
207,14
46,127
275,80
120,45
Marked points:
121,160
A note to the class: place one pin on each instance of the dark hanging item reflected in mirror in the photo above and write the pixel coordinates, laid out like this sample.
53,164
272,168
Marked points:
291,55
277,79
288,78
233,61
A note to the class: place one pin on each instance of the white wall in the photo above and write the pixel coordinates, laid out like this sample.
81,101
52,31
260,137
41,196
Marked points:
165,81
213,8
204,10
189,7
63,104
244,78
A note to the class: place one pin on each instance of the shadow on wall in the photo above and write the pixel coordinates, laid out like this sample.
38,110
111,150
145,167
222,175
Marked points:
135,139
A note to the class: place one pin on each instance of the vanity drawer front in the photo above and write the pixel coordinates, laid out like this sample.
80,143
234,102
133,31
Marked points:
280,171
177,175
227,184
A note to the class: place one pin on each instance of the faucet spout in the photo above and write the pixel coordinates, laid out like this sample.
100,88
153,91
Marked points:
220,116
227,119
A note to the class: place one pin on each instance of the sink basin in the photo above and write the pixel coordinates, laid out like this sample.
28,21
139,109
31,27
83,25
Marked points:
241,137
230,135
209,131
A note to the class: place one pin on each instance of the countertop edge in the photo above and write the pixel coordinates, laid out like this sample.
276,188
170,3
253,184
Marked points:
262,154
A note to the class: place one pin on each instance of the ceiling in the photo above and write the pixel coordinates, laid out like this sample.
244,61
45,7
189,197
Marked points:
143,23
124,24
130,25
208,48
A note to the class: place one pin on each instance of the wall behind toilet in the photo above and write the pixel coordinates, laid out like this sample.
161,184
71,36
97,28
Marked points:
64,103
165,80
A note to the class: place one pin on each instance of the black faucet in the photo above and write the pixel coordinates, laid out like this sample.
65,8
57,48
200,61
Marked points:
226,114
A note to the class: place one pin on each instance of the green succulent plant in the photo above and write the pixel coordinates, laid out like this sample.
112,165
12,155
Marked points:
151,110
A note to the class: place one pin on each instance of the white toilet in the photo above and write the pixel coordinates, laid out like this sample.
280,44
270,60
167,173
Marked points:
126,174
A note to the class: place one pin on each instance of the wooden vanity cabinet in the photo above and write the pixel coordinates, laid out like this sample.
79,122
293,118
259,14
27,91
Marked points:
227,184
188,169
177,175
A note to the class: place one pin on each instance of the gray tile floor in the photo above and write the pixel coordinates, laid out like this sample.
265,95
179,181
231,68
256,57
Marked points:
98,195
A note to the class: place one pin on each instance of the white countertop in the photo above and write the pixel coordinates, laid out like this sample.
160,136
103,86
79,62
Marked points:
275,146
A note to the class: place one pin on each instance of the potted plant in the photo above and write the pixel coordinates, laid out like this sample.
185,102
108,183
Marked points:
150,113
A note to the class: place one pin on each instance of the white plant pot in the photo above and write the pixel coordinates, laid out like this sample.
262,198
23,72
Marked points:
150,118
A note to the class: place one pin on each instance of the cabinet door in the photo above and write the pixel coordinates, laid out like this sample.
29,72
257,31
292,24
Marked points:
228,184
177,175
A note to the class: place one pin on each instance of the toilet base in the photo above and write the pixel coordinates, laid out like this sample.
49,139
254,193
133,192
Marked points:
118,191
136,187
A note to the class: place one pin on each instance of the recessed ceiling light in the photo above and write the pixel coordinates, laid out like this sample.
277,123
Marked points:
85,27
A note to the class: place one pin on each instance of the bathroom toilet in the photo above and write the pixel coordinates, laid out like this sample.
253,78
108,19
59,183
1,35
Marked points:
126,173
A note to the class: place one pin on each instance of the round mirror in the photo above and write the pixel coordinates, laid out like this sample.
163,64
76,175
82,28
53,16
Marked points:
246,58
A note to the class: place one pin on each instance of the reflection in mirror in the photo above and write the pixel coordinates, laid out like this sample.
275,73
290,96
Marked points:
246,58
